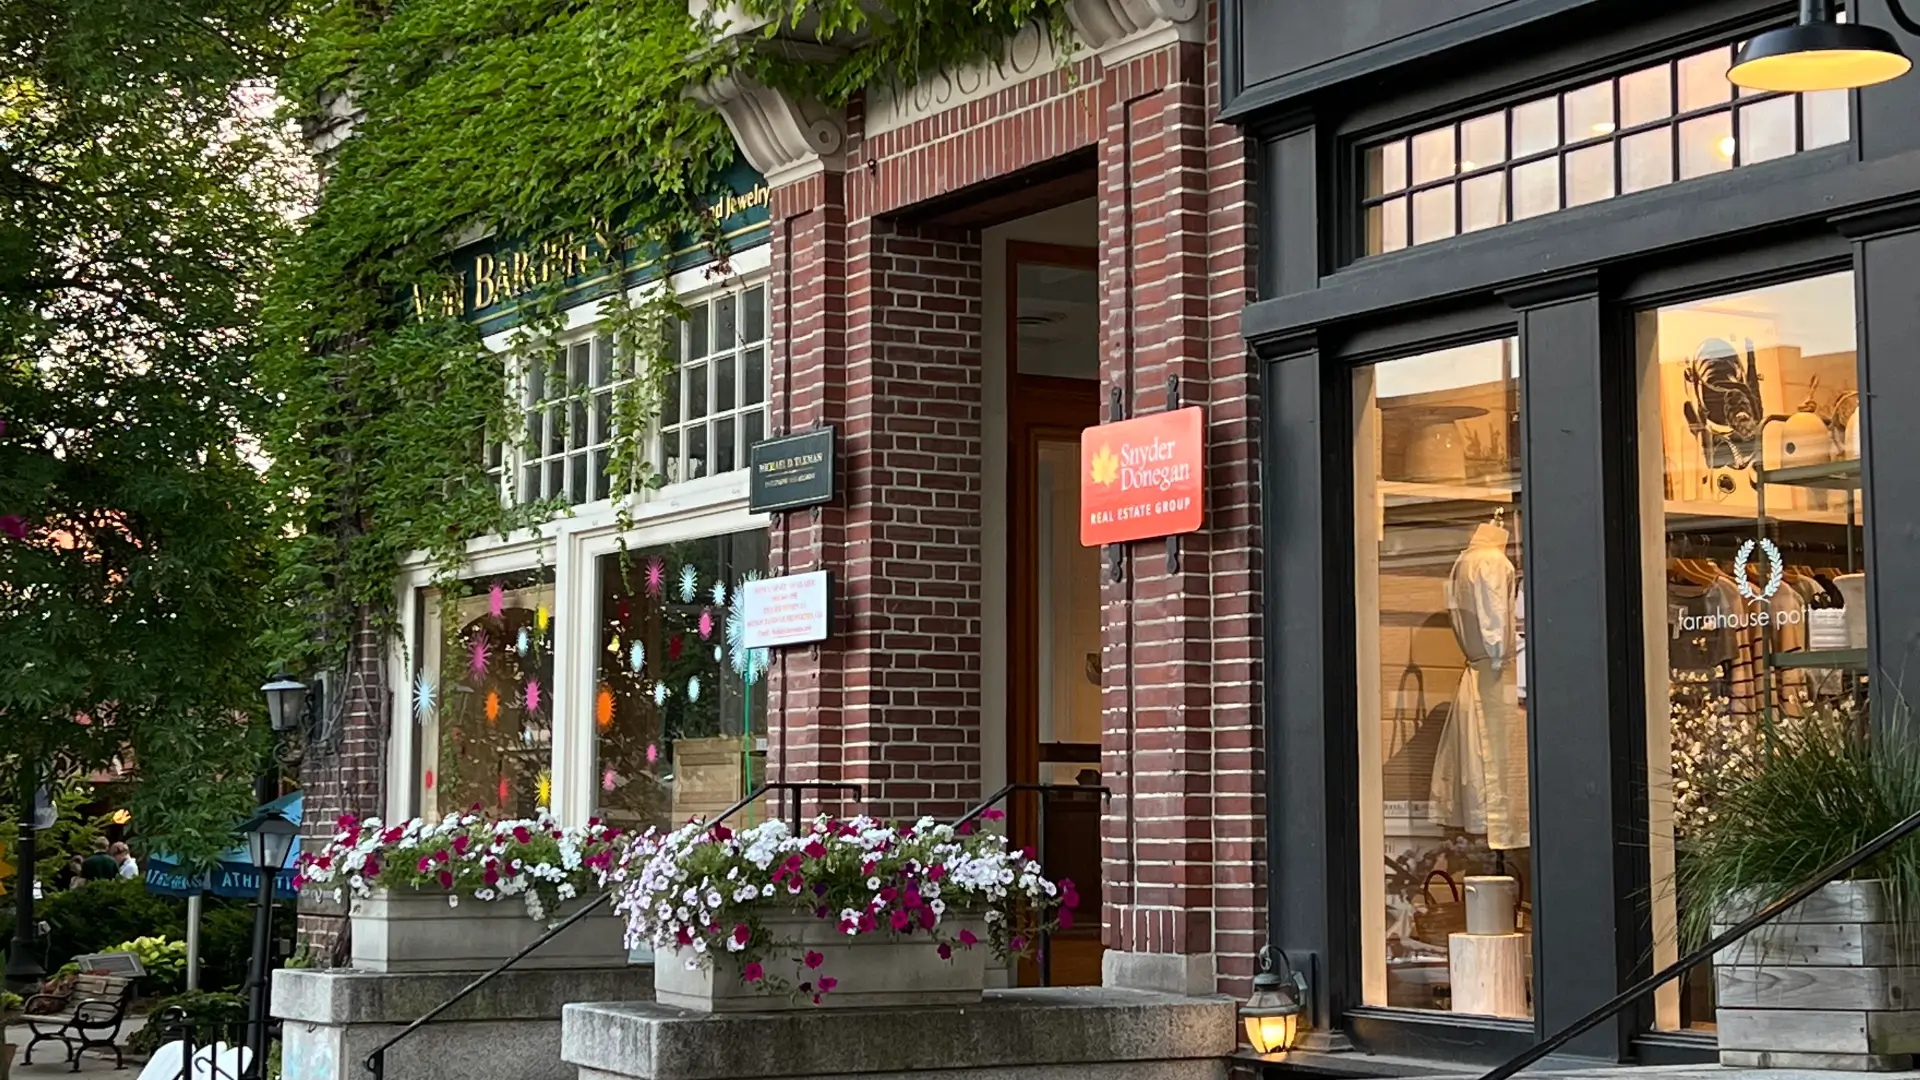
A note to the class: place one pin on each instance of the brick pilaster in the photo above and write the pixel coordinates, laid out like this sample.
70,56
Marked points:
348,777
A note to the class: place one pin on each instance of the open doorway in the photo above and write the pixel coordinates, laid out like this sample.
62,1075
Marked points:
1053,659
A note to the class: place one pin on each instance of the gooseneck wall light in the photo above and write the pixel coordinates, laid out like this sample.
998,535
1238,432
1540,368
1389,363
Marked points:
1822,53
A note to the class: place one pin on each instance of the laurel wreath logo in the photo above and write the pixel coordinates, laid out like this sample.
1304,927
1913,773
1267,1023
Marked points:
1776,566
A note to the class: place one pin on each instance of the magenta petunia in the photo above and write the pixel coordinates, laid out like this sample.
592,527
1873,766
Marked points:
752,972
742,934
946,951
813,959
827,983
967,940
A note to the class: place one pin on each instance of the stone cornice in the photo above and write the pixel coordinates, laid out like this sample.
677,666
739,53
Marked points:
1119,30
785,139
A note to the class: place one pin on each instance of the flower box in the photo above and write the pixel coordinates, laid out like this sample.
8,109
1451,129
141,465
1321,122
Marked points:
1826,985
868,970
845,913
402,931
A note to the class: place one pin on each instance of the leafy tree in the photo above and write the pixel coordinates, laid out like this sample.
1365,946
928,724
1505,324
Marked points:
142,194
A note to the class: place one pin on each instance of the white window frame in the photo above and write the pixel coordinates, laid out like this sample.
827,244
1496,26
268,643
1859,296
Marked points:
572,544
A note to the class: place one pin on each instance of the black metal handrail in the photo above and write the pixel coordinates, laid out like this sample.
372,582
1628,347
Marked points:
377,1060
1045,791
1747,925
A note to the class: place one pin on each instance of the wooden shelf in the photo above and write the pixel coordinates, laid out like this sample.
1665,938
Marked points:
1410,493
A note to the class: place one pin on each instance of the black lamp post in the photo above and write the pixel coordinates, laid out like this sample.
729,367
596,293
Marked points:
270,837
23,968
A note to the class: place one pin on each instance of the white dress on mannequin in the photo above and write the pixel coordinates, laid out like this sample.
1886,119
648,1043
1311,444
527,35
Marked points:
1480,775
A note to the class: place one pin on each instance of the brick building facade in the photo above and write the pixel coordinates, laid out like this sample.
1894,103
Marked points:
894,228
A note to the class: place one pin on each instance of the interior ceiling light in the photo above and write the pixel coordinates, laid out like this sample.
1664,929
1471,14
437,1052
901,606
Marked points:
1822,53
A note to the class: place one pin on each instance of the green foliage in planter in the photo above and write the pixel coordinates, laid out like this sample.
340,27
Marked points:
213,1017
547,122
1825,787
164,959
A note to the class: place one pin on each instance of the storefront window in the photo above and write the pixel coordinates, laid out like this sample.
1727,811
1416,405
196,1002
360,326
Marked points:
1756,598
680,704
1445,832
1668,122
483,696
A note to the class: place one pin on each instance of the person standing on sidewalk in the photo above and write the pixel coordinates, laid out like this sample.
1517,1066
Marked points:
100,866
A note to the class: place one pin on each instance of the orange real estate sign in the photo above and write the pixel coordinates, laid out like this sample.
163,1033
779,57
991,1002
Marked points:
1142,478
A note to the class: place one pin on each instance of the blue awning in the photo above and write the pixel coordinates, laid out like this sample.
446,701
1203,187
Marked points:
233,874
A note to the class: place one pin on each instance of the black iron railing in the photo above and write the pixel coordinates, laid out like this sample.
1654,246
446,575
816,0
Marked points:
1648,985
377,1060
1046,792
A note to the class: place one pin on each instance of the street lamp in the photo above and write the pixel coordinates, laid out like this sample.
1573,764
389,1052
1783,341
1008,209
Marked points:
270,837
1822,53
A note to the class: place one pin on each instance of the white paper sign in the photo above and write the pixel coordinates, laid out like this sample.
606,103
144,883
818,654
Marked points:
786,610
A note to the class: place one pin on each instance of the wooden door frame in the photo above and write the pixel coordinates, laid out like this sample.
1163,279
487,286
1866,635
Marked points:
1038,407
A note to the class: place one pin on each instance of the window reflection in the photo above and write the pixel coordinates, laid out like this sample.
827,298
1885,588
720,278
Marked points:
1753,526
483,696
1442,695
679,701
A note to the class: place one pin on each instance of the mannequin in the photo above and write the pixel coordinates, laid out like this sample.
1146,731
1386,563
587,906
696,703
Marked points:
1480,775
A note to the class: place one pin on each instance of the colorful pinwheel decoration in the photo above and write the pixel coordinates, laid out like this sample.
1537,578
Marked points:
524,643
720,593
477,659
496,601
660,693
653,753
543,790
689,583
493,706
541,619
675,646
609,780
706,623
603,709
425,696
637,656
656,576
533,695
693,688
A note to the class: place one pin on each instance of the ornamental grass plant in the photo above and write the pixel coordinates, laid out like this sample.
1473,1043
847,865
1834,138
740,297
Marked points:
1825,785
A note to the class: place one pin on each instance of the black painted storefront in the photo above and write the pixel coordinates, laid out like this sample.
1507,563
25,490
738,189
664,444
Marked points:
1312,81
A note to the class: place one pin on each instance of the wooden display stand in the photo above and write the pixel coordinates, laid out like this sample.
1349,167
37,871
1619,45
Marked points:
708,777
1489,974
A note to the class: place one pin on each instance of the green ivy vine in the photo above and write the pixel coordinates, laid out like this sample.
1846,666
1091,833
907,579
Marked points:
538,120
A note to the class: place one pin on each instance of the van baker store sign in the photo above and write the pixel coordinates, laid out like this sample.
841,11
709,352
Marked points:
1143,478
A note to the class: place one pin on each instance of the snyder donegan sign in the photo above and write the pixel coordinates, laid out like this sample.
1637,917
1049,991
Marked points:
1142,478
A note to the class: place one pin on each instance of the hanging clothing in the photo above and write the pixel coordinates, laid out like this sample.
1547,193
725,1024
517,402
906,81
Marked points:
1480,776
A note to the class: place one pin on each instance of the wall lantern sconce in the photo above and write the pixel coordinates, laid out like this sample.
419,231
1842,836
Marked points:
1272,1014
1822,53
296,713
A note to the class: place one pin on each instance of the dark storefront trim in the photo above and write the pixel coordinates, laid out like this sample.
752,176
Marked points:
1568,284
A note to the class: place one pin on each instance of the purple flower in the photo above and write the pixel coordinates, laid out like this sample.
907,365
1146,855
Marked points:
751,972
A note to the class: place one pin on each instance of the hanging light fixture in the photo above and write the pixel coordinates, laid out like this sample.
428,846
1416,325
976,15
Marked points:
1272,1014
1822,53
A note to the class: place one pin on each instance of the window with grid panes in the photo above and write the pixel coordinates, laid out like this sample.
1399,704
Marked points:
716,404
1657,125
569,415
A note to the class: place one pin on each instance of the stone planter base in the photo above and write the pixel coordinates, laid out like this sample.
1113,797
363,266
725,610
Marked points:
871,970
418,932
1081,1033
1827,985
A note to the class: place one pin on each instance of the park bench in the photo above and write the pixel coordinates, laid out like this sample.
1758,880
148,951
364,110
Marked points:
87,1017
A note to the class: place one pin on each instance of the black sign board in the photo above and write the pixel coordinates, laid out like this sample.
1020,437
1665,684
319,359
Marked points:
792,472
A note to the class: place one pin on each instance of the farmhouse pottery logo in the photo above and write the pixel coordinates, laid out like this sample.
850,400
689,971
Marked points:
1142,478
1724,618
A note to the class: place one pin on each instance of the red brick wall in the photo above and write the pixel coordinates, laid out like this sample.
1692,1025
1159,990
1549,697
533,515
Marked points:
883,339
347,778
